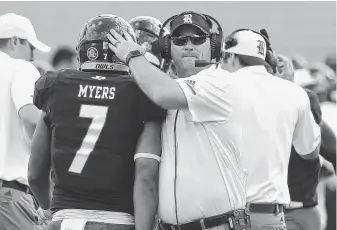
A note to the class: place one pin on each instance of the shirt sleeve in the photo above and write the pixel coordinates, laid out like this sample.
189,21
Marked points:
42,90
22,89
209,95
307,135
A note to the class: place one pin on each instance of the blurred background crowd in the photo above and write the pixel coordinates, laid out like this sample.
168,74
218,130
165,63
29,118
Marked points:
303,31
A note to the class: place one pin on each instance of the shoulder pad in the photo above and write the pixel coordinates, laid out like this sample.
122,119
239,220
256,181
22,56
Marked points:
42,89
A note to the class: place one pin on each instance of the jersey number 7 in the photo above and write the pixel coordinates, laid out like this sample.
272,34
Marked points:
98,115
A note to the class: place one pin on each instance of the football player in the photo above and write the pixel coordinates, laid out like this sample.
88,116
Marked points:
147,30
87,137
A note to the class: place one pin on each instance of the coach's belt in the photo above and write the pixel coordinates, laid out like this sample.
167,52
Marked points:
265,208
15,185
231,219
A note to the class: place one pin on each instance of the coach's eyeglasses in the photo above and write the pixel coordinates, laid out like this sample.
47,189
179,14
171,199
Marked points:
195,40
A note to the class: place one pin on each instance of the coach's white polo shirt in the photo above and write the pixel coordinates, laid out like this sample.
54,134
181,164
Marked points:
277,115
210,179
17,79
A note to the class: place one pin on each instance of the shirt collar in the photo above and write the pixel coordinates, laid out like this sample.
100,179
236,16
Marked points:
3,54
253,69
213,66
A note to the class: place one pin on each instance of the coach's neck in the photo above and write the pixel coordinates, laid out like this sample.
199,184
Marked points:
187,72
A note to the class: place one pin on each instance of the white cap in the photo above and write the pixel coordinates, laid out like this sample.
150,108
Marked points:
13,25
249,44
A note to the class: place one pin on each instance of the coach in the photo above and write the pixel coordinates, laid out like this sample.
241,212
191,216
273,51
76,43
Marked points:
201,182
277,116
18,119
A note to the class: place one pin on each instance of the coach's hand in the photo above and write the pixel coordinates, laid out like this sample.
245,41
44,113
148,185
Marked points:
122,46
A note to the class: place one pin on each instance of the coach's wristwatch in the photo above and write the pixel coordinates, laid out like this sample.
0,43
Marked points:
132,54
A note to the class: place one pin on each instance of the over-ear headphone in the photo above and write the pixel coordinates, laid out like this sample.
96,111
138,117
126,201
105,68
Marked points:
164,41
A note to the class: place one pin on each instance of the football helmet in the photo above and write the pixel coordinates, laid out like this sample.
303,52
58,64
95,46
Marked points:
92,49
147,33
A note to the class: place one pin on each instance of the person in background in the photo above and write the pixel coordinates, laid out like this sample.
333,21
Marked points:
302,75
42,66
330,61
64,58
325,80
18,119
147,30
303,175
277,116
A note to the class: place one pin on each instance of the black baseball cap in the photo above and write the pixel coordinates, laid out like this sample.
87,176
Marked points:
191,18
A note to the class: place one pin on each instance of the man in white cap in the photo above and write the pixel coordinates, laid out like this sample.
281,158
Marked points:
276,116
18,119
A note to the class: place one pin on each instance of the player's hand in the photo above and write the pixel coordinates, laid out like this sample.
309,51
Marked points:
285,68
123,45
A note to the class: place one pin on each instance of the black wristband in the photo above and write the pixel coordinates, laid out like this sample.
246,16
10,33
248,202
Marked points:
132,54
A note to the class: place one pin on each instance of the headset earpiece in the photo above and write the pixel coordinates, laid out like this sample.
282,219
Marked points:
166,47
216,40
215,46
164,41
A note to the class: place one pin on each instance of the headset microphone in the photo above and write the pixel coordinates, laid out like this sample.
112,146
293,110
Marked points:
203,63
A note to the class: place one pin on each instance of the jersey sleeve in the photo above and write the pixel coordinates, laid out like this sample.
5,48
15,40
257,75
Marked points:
22,88
307,134
150,111
42,90
209,95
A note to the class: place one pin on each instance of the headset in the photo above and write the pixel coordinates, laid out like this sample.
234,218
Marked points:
164,41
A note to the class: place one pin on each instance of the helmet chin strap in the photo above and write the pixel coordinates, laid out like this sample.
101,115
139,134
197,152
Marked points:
104,66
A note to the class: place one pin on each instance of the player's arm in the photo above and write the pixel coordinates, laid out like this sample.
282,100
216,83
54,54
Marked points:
40,163
22,91
157,85
147,161
307,134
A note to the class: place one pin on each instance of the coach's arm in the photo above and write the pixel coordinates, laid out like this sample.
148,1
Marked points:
307,134
147,160
163,90
157,85
22,90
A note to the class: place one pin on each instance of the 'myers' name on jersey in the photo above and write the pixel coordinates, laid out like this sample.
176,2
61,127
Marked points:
97,92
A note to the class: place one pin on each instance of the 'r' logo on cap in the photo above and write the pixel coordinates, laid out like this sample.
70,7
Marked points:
187,18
